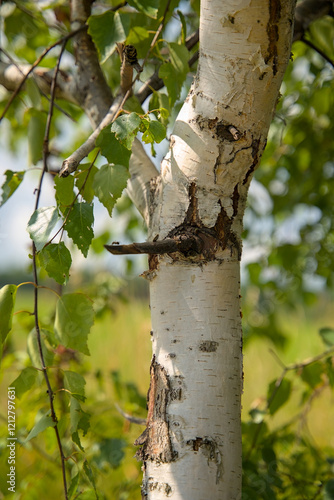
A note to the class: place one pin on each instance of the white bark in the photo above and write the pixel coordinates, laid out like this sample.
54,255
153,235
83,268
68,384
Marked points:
192,445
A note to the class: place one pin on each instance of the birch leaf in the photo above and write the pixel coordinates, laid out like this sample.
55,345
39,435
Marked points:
75,384
56,260
64,190
148,7
126,128
112,149
36,131
107,29
41,224
74,319
43,423
25,381
7,301
12,182
79,226
109,183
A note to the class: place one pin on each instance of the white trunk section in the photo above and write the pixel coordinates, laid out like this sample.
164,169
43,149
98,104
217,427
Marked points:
191,448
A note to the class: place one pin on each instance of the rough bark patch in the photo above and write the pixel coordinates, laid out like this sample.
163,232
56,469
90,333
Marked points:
155,441
208,346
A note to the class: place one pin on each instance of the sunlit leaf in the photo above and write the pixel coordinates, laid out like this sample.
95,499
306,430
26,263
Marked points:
148,7
64,190
12,182
7,301
126,128
107,29
41,224
74,319
25,381
84,181
44,422
109,183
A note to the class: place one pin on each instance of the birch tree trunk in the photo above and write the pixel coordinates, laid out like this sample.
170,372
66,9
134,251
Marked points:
191,447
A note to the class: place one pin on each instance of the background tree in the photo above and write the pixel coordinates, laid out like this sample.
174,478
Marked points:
193,210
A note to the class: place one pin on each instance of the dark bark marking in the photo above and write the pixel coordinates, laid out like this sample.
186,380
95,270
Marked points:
273,34
210,450
208,346
155,441
256,157
235,200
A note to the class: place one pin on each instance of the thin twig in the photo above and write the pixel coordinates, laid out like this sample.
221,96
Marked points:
36,63
38,332
321,52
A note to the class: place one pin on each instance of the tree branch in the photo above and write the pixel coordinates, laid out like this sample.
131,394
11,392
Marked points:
308,11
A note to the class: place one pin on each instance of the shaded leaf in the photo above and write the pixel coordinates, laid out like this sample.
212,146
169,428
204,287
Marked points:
36,131
312,374
107,29
278,396
44,422
329,490
12,182
89,473
327,335
86,179
155,132
75,384
41,224
79,226
73,486
33,349
74,319
111,453
56,260
109,183
112,149
25,381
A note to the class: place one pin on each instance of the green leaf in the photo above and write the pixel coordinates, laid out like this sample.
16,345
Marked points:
148,7
64,190
109,183
73,486
25,381
74,319
89,473
327,335
36,131
312,374
174,72
12,182
75,414
41,224
75,384
111,452
155,132
33,93
160,104
107,29
44,422
56,260
112,149
278,396
126,128
33,348
79,226
7,301
99,242
86,179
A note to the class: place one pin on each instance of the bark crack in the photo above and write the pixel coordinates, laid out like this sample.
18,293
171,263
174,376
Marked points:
210,450
273,33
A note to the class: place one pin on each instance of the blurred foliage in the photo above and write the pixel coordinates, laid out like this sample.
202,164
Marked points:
288,241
